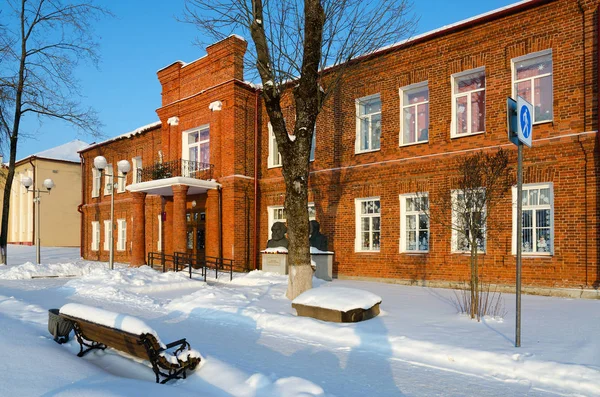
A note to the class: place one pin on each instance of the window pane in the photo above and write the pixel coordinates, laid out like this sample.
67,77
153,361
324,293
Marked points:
411,222
527,219
423,222
544,196
376,207
192,137
423,241
423,122
534,67
543,98
411,241
363,207
416,95
409,125
543,240
542,218
527,240
470,82
533,197
365,226
204,134
373,106
193,153
375,240
478,111
364,134
375,131
376,223
523,90
410,204
204,153
461,115
365,241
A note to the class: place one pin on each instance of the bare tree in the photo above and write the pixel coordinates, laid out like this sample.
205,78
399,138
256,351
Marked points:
302,49
483,180
41,43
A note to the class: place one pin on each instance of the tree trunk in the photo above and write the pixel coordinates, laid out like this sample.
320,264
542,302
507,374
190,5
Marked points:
6,202
296,206
474,283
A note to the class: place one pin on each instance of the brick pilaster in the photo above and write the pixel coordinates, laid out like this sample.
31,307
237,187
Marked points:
179,223
138,251
212,223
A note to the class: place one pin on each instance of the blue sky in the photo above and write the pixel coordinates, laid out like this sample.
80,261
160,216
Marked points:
143,37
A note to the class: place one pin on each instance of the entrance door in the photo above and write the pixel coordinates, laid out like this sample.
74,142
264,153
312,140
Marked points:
196,237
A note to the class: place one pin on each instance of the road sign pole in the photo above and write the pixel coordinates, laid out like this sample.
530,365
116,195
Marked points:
519,240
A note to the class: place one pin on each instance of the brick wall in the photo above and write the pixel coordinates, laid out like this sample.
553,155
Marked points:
565,151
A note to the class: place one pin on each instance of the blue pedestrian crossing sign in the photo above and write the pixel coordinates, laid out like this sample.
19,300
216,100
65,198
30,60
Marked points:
524,121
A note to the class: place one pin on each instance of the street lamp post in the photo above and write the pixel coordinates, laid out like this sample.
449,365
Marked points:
48,184
100,164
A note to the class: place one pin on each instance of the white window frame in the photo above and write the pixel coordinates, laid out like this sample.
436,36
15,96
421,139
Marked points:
271,215
107,232
121,234
185,147
404,213
95,235
159,243
108,172
513,70
405,90
272,160
96,182
137,164
454,245
121,182
453,78
358,225
359,102
531,186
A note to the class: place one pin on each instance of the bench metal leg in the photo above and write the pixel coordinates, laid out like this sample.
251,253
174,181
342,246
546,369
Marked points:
90,346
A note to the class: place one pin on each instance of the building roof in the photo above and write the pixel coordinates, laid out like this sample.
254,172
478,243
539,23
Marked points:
137,131
68,152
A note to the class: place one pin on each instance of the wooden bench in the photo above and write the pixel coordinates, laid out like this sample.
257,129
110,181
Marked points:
146,346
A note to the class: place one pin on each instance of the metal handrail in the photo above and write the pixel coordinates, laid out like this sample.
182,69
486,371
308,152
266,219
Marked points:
182,259
170,169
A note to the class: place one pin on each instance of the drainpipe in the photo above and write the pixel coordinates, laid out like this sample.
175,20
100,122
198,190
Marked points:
255,242
33,204
79,207
220,222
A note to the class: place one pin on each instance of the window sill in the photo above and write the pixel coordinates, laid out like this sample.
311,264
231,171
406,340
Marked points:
466,253
366,251
534,255
413,143
274,166
455,136
414,253
367,151
543,122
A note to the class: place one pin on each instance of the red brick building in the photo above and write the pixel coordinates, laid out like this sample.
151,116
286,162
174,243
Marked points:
209,180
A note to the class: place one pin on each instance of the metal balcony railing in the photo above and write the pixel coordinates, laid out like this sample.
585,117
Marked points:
170,169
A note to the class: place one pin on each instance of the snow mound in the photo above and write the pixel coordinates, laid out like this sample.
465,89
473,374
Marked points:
338,298
120,321
275,250
29,270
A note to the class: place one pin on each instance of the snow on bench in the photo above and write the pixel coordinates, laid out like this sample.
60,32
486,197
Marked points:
131,335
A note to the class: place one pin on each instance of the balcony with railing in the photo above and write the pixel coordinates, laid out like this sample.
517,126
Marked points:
175,168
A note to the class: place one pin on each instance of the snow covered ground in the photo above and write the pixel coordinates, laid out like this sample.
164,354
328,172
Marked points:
254,345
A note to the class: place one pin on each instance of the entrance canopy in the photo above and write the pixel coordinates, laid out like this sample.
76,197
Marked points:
162,187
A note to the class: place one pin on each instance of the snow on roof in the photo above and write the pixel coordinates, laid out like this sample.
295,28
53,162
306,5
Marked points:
65,152
129,134
452,25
